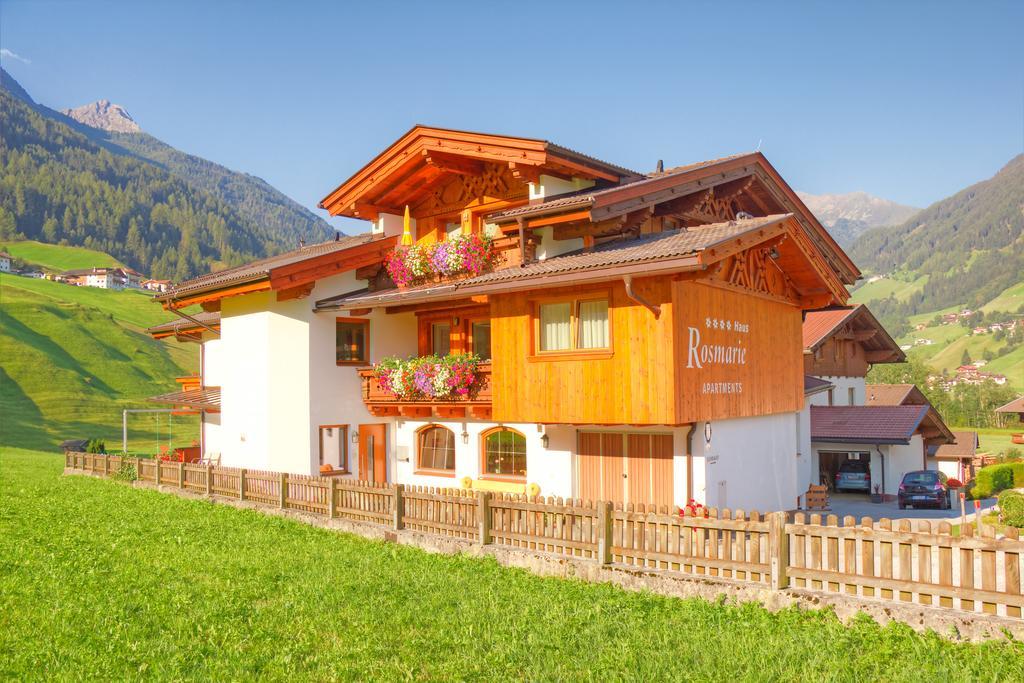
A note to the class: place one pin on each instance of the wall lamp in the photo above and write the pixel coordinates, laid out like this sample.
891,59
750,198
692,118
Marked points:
544,440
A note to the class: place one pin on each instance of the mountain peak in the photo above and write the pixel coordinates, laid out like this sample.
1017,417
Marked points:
105,115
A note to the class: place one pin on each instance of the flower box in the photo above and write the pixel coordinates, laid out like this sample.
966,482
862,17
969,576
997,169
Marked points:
457,256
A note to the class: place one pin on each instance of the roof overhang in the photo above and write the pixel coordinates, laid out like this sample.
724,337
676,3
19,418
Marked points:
206,398
424,154
883,348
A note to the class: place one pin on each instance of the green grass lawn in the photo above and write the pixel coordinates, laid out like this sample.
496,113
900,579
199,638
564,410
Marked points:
71,358
102,581
59,258
886,287
996,441
1010,299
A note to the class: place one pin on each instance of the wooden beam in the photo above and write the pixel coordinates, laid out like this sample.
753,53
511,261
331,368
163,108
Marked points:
414,411
452,164
384,411
661,190
882,356
359,311
368,272
524,173
450,411
252,287
481,412
299,292
577,169
558,219
332,263
438,305
371,212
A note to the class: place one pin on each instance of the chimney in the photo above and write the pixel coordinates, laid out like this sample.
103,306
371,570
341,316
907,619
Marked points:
660,168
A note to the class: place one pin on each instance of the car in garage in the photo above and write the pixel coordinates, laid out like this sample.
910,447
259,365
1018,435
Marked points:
854,475
924,488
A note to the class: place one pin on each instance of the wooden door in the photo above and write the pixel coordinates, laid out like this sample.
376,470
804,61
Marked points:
625,468
650,469
373,461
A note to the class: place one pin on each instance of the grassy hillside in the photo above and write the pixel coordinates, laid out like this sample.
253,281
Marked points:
71,358
59,258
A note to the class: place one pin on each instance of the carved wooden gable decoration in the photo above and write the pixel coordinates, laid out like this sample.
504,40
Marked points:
755,270
493,182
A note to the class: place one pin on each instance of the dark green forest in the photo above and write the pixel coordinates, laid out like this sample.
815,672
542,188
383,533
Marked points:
174,217
971,246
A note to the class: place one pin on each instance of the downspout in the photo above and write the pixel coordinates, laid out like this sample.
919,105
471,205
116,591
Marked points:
689,463
653,308
881,457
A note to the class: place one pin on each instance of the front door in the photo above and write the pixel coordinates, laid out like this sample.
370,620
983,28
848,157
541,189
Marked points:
373,462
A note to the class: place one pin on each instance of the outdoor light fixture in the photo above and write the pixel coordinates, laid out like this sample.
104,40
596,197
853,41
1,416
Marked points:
544,440
774,253
465,434
355,436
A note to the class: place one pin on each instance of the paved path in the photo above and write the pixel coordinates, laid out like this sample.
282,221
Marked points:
860,506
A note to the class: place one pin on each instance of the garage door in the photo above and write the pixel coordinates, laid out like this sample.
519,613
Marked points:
625,467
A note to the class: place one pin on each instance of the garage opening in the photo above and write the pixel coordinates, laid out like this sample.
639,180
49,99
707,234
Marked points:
845,471
625,467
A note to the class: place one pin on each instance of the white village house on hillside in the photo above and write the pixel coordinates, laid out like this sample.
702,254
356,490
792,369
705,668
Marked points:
545,322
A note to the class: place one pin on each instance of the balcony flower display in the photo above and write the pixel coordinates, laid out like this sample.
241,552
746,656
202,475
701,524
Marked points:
430,377
457,255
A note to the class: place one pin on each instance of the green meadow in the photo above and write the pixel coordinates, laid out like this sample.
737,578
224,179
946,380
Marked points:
102,581
58,258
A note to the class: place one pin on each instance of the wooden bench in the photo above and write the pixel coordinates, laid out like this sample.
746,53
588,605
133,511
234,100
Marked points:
816,498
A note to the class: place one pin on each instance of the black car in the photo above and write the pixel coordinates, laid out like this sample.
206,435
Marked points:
924,487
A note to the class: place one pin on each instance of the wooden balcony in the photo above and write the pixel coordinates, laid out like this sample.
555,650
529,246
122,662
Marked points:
383,403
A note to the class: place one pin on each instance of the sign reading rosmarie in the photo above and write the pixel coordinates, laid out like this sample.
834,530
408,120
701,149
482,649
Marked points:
739,354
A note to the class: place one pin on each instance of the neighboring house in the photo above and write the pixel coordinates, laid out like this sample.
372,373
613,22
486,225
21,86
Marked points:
890,426
640,333
131,278
956,459
5,262
156,285
103,278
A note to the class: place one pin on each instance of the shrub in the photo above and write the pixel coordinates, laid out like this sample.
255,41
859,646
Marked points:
126,472
1011,508
992,479
96,446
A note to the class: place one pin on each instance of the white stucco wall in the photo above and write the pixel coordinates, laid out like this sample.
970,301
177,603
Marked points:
550,247
212,445
212,370
750,463
841,392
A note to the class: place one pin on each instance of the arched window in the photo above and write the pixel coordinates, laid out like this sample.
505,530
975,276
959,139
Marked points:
435,449
504,453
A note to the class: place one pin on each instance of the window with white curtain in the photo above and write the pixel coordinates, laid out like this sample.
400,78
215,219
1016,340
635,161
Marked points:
556,326
573,326
593,325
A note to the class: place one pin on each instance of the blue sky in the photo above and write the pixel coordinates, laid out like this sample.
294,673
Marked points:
908,101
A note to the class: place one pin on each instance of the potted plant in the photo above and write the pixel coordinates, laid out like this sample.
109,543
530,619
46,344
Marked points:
876,497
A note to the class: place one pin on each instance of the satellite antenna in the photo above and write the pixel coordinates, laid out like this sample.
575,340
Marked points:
759,145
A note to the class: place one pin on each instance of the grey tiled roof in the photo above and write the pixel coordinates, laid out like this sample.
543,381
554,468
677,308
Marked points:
207,317
648,248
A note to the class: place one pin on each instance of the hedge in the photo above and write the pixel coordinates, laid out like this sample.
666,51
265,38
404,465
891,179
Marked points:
1011,508
995,478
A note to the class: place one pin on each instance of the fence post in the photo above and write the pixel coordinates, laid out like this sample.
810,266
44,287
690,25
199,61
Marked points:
181,475
604,532
209,479
157,480
483,516
397,508
241,484
332,494
778,550
138,468
284,490
106,465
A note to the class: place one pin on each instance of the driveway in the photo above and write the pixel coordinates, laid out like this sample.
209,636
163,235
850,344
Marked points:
861,506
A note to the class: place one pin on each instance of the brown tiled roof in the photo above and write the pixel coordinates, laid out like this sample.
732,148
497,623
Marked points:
866,424
964,447
813,385
819,325
1014,406
260,269
584,198
210,318
887,394
207,397
648,248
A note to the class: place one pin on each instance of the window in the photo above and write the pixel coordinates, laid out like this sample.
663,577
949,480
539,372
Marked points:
577,325
851,395
504,454
441,339
592,331
351,340
334,446
452,228
481,333
435,447
832,396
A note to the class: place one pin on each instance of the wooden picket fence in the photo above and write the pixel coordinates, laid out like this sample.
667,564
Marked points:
927,565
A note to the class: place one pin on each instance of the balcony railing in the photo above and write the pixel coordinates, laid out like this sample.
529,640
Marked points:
382,402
